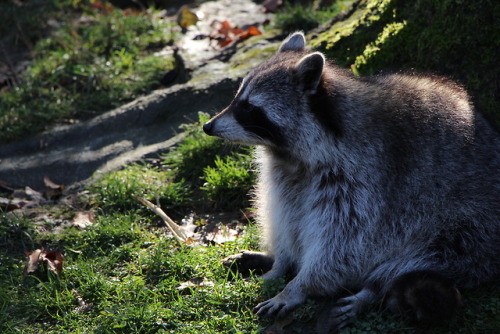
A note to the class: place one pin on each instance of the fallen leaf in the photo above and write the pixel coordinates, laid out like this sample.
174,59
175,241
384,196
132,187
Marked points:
52,190
104,7
225,34
50,184
53,261
83,219
253,31
130,12
186,17
196,282
32,261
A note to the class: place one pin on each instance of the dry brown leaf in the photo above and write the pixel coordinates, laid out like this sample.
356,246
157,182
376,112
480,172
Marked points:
225,34
32,261
83,219
190,241
50,184
52,189
52,260
102,6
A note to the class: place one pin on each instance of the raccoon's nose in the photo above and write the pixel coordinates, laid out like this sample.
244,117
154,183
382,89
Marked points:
207,127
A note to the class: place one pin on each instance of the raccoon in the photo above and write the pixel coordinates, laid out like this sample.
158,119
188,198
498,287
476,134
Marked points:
367,185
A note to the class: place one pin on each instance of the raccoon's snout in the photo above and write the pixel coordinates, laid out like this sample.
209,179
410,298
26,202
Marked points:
207,127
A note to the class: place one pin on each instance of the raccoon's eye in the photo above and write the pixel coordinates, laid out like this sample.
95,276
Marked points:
245,106
254,119
248,111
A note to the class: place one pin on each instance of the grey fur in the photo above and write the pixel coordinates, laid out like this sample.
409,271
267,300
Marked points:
362,180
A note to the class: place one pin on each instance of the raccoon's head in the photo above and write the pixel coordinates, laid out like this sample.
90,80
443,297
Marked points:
272,105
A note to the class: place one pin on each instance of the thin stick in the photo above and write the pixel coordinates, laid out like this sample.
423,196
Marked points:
172,226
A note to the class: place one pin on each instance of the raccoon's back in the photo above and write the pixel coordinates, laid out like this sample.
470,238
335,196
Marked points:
429,123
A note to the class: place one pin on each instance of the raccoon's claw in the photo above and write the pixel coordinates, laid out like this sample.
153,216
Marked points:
276,307
337,317
345,310
342,314
268,309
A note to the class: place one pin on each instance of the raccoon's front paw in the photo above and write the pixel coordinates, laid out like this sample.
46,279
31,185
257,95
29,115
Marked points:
248,261
342,314
278,306
344,311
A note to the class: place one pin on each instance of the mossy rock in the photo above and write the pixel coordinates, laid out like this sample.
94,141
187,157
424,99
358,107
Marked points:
456,38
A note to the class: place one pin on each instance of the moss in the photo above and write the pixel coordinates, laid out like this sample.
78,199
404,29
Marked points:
371,50
455,38
244,61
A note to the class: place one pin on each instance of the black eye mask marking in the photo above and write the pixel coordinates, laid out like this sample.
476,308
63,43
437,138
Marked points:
254,119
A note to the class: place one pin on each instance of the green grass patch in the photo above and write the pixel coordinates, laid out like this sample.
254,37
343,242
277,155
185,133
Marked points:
228,182
130,272
91,62
115,190
201,172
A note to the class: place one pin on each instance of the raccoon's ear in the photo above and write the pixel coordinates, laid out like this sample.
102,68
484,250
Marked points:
294,42
308,71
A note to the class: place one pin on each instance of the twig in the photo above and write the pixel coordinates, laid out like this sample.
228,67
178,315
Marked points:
83,307
172,226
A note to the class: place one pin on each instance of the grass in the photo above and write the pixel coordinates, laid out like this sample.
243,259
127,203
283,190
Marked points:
125,265
226,180
129,271
202,172
92,61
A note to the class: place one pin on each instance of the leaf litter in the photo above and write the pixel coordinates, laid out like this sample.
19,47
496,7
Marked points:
41,258
197,230
225,34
